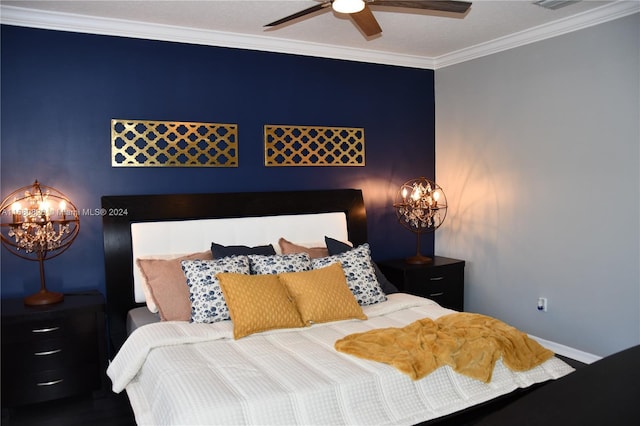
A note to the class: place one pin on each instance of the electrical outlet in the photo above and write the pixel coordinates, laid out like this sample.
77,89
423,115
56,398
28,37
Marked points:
542,304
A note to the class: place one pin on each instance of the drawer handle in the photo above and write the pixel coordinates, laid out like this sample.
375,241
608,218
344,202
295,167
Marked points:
436,294
436,278
45,330
51,383
55,351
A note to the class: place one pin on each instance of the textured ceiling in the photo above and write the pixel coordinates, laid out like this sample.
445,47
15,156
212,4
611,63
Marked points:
423,37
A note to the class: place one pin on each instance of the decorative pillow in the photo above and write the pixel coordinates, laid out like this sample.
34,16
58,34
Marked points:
168,285
258,303
322,295
287,247
337,247
279,263
207,301
219,250
359,271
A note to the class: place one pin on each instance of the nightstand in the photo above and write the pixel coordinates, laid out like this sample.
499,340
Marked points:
54,351
441,280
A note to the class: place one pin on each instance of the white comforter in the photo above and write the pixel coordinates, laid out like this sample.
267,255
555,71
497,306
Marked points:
185,374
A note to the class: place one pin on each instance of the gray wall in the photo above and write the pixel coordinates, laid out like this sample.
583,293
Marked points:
537,150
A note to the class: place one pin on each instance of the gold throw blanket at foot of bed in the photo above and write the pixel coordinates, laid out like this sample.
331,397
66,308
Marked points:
469,343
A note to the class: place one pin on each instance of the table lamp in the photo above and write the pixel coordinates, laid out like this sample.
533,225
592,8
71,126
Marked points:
421,207
38,223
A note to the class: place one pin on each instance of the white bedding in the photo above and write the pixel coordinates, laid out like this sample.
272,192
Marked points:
182,373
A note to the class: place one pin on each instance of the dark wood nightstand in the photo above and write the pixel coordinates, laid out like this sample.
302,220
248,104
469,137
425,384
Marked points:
55,351
442,280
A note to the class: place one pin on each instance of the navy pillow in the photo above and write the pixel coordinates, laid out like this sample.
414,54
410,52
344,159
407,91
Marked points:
336,247
218,250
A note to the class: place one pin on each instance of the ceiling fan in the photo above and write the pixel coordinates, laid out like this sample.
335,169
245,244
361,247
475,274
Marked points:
361,14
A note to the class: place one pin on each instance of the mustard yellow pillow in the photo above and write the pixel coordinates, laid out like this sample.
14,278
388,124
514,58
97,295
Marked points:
257,303
322,295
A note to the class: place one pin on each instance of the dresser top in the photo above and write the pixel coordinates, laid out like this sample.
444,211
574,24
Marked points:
437,261
72,301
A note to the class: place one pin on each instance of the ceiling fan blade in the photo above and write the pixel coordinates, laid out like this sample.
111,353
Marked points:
366,22
300,14
443,6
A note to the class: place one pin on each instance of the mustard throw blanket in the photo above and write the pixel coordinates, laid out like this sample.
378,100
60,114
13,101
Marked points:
469,343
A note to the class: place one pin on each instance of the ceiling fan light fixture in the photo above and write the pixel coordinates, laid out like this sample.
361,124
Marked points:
347,6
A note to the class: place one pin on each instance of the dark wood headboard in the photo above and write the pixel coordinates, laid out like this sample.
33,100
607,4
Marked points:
123,210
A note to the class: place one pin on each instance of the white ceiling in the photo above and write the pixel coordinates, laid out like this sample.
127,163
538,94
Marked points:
410,38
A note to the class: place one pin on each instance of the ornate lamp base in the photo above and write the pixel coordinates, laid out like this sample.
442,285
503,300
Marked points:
418,259
43,297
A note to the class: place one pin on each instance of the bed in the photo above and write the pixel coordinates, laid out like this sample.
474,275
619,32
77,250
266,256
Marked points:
211,370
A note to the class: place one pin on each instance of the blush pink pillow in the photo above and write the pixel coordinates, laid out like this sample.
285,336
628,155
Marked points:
168,285
287,247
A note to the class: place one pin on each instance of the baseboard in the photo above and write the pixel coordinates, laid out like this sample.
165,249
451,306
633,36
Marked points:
563,350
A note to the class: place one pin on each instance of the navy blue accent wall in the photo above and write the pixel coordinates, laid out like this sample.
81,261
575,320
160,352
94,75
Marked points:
60,91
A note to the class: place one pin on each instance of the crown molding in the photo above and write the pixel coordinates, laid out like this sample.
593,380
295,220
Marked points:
24,17
586,19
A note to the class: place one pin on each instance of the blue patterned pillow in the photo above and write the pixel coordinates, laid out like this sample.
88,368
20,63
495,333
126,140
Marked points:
360,274
207,301
278,264
337,247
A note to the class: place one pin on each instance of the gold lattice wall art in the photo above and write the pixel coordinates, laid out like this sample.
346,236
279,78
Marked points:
313,146
136,143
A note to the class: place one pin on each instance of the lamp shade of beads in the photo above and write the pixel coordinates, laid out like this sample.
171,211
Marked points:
38,222
421,207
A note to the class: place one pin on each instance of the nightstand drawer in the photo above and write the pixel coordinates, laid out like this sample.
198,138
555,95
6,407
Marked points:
43,354
53,351
430,286
438,284
48,328
441,281
445,293
23,385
